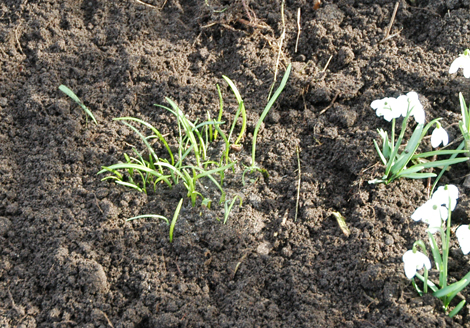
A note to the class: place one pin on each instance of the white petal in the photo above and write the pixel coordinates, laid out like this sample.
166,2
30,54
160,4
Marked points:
463,236
456,64
438,136
379,103
387,108
420,212
435,138
415,261
443,193
417,109
410,266
434,220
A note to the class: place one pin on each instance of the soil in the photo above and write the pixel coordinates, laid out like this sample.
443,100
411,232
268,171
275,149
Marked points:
69,258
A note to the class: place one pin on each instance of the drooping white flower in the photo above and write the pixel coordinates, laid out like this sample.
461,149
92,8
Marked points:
463,61
417,109
463,236
438,136
414,261
444,193
431,213
387,107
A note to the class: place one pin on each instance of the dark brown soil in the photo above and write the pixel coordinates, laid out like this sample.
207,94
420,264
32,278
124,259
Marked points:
68,258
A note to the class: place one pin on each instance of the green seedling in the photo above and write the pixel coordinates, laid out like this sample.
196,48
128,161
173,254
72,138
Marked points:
228,208
175,217
161,217
152,170
74,97
266,110
241,110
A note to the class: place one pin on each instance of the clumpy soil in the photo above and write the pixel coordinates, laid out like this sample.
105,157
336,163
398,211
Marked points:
68,258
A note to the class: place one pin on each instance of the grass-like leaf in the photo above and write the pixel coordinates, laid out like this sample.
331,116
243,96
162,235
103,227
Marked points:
175,218
74,97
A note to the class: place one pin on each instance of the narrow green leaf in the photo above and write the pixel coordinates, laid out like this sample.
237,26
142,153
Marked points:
154,130
382,157
175,217
267,109
418,175
342,223
457,309
455,287
438,153
74,97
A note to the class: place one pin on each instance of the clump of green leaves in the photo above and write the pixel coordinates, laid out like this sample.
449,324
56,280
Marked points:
151,170
191,164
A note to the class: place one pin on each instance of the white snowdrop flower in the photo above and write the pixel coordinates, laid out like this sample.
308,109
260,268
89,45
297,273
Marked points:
443,193
417,109
387,108
463,62
415,261
438,136
431,213
463,236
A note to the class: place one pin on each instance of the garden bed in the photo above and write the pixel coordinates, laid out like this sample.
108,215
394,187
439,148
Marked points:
68,258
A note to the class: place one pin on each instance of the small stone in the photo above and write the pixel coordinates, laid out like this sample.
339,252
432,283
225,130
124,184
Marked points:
108,208
92,277
264,248
5,225
389,240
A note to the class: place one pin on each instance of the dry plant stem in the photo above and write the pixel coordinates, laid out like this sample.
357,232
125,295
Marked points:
389,27
331,104
391,36
298,184
327,64
429,185
146,4
107,319
164,3
298,30
240,262
17,39
281,41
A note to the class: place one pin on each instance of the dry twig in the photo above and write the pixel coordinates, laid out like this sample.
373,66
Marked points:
281,41
298,30
331,104
389,28
298,184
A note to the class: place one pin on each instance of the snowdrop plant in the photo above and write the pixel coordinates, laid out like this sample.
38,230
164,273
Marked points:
463,61
436,213
393,156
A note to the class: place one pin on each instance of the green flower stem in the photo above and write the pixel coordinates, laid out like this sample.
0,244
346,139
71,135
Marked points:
425,289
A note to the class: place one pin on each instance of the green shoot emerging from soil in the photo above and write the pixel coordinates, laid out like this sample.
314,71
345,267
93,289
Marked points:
161,217
74,97
266,110
192,164
153,169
